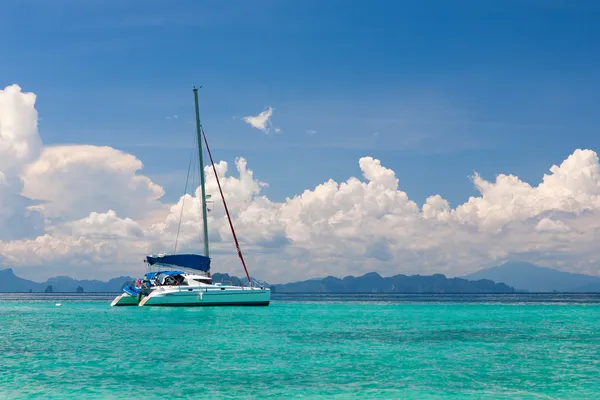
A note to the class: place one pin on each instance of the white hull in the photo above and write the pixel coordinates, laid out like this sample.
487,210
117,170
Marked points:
192,296
124,300
207,296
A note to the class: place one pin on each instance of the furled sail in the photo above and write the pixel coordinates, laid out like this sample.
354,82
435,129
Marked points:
190,261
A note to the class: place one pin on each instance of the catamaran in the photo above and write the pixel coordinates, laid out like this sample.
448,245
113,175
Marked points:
185,279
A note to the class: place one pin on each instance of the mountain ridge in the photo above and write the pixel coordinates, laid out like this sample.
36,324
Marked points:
370,282
510,277
533,278
9,282
373,282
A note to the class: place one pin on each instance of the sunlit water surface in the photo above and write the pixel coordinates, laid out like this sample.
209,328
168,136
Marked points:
303,346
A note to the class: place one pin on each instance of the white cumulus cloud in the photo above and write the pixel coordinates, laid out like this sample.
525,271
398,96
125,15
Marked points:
73,181
101,215
262,121
549,225
361,225
19,139
19,145
55,202
104,225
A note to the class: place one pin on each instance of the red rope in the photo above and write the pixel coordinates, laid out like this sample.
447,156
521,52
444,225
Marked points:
237,245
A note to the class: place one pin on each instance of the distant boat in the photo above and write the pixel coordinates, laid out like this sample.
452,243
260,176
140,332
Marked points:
190,284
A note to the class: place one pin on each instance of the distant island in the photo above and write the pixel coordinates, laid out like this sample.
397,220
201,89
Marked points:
507,278
9,282
371,282
528,277
375,283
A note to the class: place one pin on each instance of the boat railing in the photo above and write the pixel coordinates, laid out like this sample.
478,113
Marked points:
191,289
202,289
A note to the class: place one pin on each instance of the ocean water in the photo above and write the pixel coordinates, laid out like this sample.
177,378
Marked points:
303,346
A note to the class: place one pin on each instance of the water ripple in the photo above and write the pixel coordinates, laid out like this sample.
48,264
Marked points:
303,347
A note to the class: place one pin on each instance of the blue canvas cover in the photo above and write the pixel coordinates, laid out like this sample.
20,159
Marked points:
131,290
151,275
190,261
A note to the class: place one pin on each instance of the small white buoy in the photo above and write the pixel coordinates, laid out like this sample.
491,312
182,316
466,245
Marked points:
58,304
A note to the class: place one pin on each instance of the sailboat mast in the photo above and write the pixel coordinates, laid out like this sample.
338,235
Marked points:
199,137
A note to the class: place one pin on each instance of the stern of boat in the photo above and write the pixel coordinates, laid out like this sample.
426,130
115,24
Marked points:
124,299
130,297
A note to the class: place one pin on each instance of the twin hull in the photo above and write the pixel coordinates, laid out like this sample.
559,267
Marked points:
197,296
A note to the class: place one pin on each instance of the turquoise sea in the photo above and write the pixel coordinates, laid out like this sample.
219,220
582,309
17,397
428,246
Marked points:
303,346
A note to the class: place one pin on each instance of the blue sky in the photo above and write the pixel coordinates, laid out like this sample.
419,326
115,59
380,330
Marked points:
434,89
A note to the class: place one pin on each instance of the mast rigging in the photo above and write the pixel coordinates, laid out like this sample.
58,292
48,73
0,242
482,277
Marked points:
200,133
